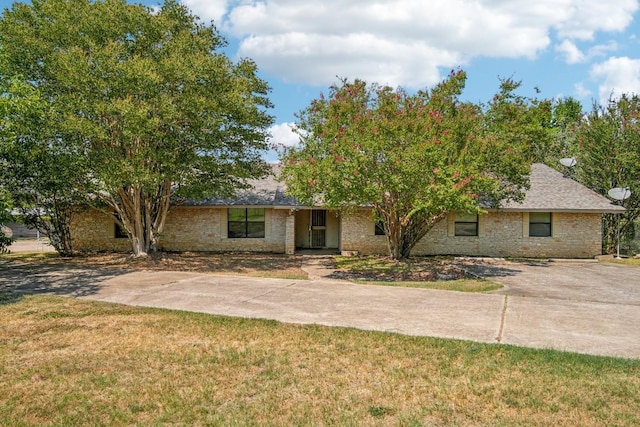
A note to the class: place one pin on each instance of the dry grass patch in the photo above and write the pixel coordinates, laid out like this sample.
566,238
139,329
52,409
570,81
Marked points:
417,272
624,261
249,264
75,362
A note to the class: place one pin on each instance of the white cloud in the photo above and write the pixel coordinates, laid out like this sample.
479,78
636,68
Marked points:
581,91
617,76
282,134
406,42
208,10
572,55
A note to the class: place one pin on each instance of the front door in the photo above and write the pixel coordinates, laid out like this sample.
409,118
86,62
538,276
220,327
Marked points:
318,229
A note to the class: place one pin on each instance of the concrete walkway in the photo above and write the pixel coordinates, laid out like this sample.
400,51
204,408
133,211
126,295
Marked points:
585,326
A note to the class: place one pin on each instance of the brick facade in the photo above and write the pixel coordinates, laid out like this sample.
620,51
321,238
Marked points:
188,228
500,234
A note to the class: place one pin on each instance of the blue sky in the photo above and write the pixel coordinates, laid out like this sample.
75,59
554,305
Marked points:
587,49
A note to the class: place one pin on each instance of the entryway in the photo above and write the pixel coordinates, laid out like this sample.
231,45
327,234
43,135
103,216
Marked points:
317,229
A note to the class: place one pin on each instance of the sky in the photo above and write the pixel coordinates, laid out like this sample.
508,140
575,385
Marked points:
585,49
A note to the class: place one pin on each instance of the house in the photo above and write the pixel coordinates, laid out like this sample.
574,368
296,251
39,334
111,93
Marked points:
557,218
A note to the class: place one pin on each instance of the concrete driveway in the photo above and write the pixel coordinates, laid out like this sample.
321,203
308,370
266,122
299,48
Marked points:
583,307
587,307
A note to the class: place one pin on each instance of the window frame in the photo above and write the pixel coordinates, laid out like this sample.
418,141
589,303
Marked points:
461,221
247,224
536,223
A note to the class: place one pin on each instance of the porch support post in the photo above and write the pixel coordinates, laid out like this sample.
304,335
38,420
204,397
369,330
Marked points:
290,233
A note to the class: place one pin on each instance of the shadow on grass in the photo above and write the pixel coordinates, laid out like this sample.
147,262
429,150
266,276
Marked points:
488,270
53,279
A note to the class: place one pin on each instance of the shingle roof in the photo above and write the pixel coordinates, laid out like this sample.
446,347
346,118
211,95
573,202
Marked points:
267,191
550,190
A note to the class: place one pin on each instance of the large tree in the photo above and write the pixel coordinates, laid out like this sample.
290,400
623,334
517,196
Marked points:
145,99
40,176
5,215
608,154
412,157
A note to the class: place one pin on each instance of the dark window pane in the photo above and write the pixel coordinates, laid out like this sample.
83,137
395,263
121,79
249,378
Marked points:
119,232
466,224
256,229
379,228
237,229
245,222
539,230
466,229
540,224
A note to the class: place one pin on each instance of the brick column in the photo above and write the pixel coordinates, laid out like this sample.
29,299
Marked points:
290,234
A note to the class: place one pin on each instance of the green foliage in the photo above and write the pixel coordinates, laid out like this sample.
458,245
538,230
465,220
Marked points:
39,172
544,127
608,153
412,157
141,101
5,215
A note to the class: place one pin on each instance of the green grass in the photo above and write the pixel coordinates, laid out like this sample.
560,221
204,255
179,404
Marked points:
74,362
460,285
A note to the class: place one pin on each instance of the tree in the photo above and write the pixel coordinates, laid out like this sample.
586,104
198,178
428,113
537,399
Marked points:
608,154
5,215
545,128
41,178
413,158
142,102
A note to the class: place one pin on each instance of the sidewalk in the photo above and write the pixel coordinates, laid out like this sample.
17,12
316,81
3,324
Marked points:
601,327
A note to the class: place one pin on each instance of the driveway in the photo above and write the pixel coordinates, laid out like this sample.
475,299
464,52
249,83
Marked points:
566,280
582,307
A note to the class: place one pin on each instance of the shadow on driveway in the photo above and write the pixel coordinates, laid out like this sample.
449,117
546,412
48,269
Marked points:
488,269
63,280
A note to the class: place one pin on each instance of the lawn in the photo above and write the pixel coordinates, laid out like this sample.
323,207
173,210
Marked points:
74,362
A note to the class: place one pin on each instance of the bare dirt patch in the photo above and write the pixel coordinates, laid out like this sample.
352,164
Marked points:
379,269
264,265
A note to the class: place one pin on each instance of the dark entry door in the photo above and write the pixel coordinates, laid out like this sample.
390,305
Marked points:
318,228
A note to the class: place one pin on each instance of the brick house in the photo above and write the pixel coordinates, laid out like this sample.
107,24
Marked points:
558,218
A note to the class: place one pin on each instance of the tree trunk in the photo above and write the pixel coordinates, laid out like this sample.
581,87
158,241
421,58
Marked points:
142,214
404,232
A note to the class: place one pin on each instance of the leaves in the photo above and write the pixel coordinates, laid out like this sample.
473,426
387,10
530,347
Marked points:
608,154
143,98
413,157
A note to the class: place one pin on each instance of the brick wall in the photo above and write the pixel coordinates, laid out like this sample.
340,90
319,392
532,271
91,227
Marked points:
186,229
501,234
92,230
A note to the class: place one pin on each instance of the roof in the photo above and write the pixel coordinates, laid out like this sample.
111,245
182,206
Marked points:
265,192
550,190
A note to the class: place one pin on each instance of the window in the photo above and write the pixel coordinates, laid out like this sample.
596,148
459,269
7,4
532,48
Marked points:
466,224
119,232
379,230
540,224
245,223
